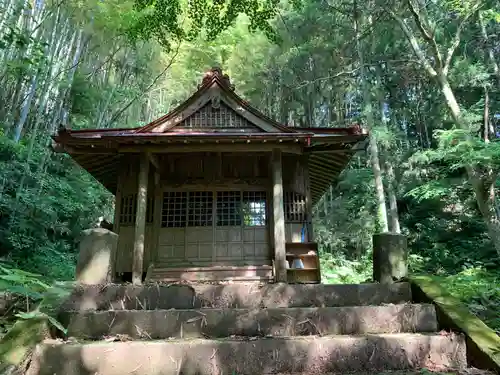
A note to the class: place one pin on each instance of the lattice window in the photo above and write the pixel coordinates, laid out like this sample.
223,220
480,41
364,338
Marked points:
295,207
174,206
128,206
222,117
200,204
228,208
254,208
128,210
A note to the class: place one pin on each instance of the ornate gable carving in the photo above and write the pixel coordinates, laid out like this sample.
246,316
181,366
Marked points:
216,72
215,116
215,107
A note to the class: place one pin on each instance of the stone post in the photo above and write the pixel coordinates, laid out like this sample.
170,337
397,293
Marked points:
390,257
97,256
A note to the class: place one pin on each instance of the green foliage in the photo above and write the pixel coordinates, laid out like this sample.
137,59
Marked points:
347,232
44,208
38,315
311,78
169,21
458,148
14,37
35,299
336,269
475,286
20,282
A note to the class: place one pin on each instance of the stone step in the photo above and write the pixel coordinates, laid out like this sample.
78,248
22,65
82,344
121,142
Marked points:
237,295
311,355
163,324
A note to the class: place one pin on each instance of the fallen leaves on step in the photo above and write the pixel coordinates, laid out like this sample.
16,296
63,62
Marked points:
445,333
118,337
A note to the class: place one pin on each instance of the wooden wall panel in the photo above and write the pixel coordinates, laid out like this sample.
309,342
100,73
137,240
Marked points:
228,244
199,244
171,245
210,167
213,245
256,243
125,251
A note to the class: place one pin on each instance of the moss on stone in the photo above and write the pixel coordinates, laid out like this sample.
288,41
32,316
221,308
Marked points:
476,330
21,340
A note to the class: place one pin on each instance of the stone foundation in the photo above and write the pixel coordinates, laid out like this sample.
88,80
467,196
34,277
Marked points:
314,355
237,295
218,323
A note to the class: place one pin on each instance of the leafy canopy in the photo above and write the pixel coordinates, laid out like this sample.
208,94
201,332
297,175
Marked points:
172,20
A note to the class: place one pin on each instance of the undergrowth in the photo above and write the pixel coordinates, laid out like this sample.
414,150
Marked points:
477,287
28,296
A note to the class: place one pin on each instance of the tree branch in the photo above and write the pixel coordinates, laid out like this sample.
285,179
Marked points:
117,115
429,37
303,84
456,39
420,23
344,73
414,43
338,10
45,16
108,58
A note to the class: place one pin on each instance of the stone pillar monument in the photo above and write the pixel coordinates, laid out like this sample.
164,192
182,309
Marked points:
97,256
390,257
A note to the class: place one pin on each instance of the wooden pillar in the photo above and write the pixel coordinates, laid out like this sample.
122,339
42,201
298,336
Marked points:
278,217
117,215
309,210
140,219
158,203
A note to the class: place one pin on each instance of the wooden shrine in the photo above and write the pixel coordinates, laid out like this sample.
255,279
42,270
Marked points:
214,190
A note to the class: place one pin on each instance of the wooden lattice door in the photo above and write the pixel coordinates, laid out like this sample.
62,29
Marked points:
199,230
172,233
214,228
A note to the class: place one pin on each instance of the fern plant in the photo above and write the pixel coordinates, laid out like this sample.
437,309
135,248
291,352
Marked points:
36,299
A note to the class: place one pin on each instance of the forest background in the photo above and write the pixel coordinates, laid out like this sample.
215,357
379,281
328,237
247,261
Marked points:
422,76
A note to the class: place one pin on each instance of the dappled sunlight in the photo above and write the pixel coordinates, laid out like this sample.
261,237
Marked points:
287,355
271,222
483,343
97,250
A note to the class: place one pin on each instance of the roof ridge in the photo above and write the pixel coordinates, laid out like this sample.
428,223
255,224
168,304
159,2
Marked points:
215,76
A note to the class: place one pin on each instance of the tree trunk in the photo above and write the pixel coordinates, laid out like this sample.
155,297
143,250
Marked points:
489,49
486,116
484,194
482,186
393,202
25,108
373,147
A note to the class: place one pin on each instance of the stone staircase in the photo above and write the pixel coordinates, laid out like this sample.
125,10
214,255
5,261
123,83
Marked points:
249,329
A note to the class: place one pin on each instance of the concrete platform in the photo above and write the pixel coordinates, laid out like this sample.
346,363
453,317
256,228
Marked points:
311,355
162,324
237,295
